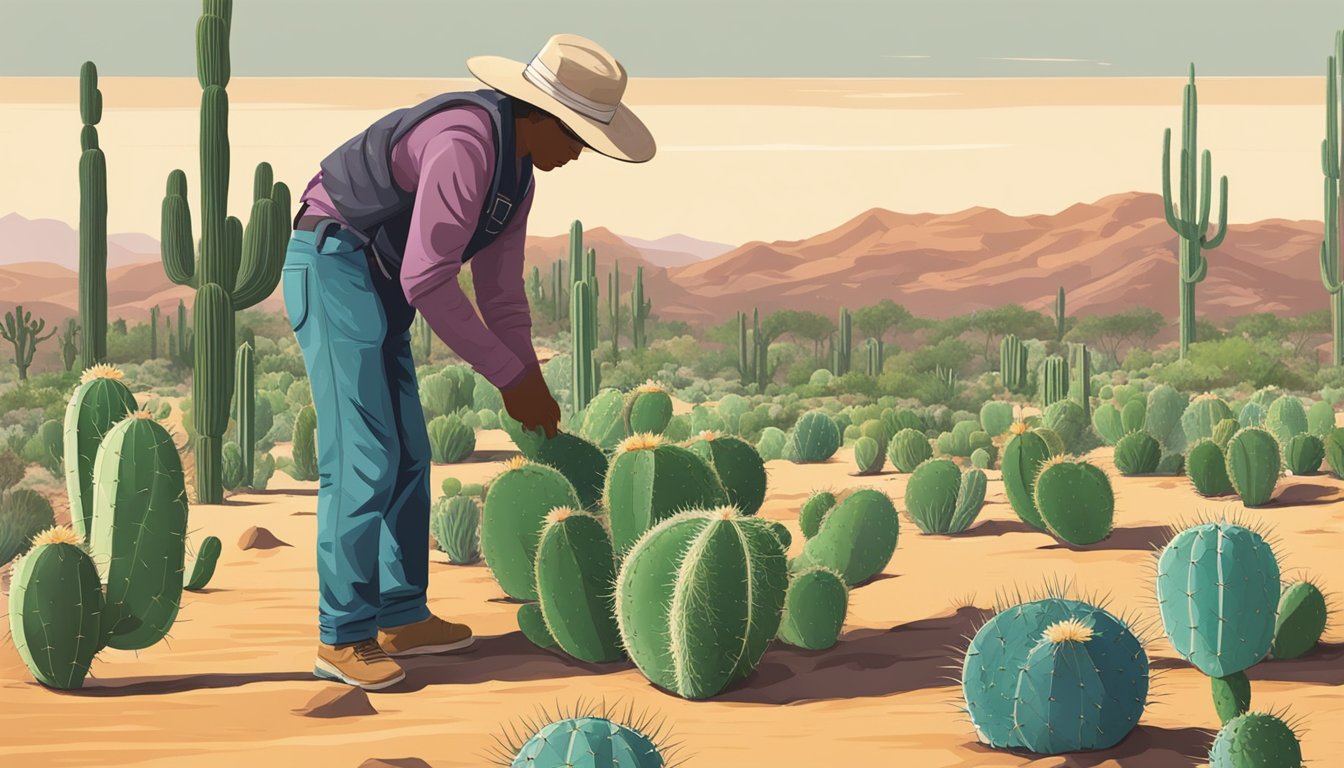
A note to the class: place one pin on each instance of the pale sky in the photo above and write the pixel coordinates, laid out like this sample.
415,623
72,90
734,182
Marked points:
663,38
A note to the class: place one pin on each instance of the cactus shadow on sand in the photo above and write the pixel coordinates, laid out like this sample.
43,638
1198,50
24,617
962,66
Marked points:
509,657
1306,495
164,684
1324,665
1144,538
1147,745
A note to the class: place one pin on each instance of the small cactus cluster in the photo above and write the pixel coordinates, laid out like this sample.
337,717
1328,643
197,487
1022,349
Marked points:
1249,464
941,498
854,537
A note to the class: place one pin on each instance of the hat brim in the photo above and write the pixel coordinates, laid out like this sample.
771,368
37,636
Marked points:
624,138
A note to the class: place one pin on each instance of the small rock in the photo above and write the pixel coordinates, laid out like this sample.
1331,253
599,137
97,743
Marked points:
338,701
395,762
259,538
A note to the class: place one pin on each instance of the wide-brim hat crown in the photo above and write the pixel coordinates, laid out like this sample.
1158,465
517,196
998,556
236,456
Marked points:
580,83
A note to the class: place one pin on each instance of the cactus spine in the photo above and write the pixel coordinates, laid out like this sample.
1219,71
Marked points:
245,400
639,310
1189,215
1332,159
21,330
236,267
92,222
1013,363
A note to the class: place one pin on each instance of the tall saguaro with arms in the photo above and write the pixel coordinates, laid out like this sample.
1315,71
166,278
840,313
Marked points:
235,267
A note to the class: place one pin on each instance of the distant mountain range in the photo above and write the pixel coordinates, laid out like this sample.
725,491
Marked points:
1109,255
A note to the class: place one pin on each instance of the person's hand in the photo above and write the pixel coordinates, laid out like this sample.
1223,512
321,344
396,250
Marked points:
531,404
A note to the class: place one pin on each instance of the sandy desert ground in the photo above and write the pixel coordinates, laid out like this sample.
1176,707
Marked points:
739,159
223,689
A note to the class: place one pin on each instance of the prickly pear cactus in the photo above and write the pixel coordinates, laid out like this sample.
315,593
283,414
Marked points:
1137,454
588,742
1206,466
1301,621
575,571
908,449
814,511
814,609
1256,740
699,598
1218,592
1107,424
515,511
1253,465
651,480
1021,463
857,538
581,462
100,401
1075,501
738,466
55,608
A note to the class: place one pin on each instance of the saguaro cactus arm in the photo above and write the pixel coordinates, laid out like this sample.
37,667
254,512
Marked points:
178,251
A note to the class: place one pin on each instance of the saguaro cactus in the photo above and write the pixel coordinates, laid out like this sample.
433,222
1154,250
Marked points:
558,304
245,396
1189,216
583,316
69,345
1332,158
23,332
639,310
614,308
235,267
92,222
1013,363
153,332
1059,314
841,355
183,332
874,348
1081,389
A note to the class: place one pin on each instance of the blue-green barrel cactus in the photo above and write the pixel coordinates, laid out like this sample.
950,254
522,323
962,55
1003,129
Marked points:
908,449
588,742
1252,415
1256,740
651,480
516,505
738,466
100,401
55,607
699,598
1054,676
856,539
814,438
1253,465
1218,593
575,571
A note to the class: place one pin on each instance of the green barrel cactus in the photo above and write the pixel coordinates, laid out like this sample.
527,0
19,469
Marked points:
527,441
771,444
647,409
1286,418
1106,422
1301,620
575,570
450,439
55,609
1052,441
981,458
604,420
1067,419
996,416
1166,406
1256,740
581,462
1334,451
1321,418
1206,466
815,438
814,512
738,466
1224,430
207,558
1133,416
651,480
868,456
1204,412
1218,593
588,742
516,505
24,513
1094,697
1021,462
699,598
1252,414
455,522
1075,500
1137,454
533,626
857,538
1303,453
100,401
1253,465
1231,695
814,609
940,498
139,531
908,449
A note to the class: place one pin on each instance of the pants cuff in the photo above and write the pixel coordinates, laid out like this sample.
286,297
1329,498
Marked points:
407,615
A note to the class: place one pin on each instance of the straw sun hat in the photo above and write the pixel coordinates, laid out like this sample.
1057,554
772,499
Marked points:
576,80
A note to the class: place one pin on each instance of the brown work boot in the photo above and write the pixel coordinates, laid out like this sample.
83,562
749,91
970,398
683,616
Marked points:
433,635
364,664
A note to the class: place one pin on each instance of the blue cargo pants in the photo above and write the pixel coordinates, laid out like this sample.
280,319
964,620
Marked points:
373,496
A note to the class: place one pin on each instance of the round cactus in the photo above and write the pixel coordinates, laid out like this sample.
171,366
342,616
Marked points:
1301,620
1036,671
1224,430
1321,418
996,417
857,538
1204,412
940,498
868,456
771,444
699,598
455,522
1286,418
1334,451
647,409
814,511
581,462
651,480
908,449
981,459
1106,421
1303,453
24,513
1021,463
139,530
207,558
1256,740
451,486
1231,695
1137,454
1066,419
1218,592
533,626
99,402
814,438
1252,415
588,742
1075,501
738,465
1206,466
1163,418
875,429
1133,416
55,607
1253,465
604,419
814,609
515,511
575,571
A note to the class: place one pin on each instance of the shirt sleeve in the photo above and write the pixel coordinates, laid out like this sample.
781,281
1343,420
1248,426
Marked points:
497,274
455,174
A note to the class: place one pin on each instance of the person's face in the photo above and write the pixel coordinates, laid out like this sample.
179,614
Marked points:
550,143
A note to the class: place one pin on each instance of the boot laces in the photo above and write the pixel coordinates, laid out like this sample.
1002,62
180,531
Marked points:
369,651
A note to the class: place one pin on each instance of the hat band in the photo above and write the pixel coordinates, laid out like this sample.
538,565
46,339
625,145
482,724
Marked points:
541,76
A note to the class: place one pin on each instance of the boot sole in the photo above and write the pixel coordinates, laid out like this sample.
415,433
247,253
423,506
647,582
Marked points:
326,671
425,650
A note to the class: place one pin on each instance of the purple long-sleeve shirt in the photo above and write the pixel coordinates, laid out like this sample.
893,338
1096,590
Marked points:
449,159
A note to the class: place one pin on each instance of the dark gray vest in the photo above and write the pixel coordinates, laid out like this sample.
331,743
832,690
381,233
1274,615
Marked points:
358,177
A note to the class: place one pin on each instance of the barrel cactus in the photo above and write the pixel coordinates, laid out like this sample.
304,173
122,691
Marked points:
1334,451
738,466
940,498
1321,418
908,449
1067,419
575,571
1137,454
515,511
1256,740
604,420
1224,430
814,511
1301,620
814,609
868,456
651,480
1286,418
1206,466
1075,500
1166,406
1253,465
1203,414
856,539
99,402
585,742
1218,593
1252,414
455,522
450,439
1134,415
648,408
815,438
1303,453
1054,676
581,462
207,559
1022,458
533,626
55,608
699,598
